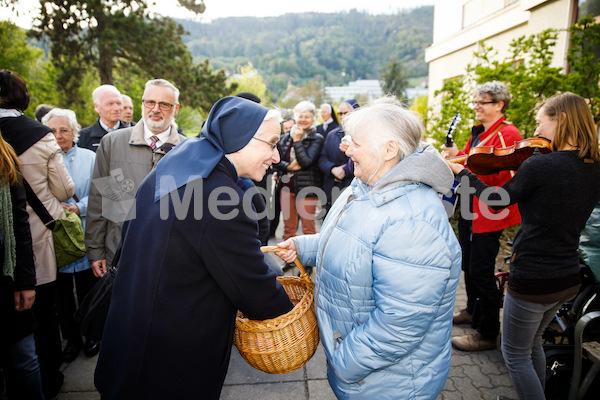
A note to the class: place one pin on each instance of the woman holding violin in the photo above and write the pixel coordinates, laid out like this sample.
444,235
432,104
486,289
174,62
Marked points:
479,236
556,194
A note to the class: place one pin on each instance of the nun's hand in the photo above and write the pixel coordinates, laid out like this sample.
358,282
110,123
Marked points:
290,255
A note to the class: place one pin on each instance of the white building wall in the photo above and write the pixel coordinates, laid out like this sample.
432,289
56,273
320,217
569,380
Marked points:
453,47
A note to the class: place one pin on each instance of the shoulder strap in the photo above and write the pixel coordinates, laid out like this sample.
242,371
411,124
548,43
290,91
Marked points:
38,207
483,142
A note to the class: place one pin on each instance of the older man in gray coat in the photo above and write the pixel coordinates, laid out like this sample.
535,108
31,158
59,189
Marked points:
123,160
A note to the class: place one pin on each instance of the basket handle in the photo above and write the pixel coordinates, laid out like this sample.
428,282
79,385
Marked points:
273,249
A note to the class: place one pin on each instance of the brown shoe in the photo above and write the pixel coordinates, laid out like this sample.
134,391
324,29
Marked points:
473,342
462,317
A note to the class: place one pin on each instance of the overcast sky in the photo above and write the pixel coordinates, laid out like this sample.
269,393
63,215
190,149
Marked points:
241,8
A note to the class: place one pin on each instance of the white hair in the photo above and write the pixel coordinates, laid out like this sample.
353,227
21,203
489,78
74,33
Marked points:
305,106
100,90
69,115
272,114
165,83
384,120
328,106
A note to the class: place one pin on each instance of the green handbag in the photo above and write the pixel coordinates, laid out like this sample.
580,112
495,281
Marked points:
69,244
68,237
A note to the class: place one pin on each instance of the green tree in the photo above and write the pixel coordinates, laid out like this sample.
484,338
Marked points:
29,62
106,34
419,104
249,80
451,99
528,73
584,62
394,79
526,70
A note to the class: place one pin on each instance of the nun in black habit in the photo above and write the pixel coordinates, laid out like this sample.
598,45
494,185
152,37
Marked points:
190,260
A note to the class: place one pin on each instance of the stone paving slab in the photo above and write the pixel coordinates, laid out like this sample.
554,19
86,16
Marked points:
480,375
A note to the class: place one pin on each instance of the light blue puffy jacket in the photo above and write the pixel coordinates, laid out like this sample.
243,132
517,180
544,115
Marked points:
388,264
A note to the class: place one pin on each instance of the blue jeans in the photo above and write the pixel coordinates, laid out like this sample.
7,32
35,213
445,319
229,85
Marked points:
22,370
522,326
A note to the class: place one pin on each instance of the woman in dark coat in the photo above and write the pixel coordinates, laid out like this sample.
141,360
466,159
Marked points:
333,162
18,359
190,260
301,178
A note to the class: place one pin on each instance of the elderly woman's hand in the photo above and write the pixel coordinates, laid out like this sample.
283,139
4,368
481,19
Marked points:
290,255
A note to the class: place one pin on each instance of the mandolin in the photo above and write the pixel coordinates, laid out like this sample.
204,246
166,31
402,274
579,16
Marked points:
487,160
451,129
450,199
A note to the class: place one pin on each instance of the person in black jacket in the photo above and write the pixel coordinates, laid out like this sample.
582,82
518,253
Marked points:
330,121
301,178
333,161
18,359
108,103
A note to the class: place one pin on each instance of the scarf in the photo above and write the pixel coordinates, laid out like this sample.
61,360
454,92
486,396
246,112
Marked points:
7,232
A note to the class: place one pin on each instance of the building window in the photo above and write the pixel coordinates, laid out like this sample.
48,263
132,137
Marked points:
476,10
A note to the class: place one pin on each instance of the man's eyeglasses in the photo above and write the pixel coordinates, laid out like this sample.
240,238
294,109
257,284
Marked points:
340,113
481,103
62,131
150,104
273,145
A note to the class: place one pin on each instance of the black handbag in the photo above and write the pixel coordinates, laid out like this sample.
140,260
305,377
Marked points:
93,310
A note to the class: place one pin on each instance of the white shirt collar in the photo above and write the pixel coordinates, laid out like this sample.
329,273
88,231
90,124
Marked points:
107,129
162,137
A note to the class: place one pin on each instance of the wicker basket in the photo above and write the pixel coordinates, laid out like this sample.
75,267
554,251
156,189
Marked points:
283,344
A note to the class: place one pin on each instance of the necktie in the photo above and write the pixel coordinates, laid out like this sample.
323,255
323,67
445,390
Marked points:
154,139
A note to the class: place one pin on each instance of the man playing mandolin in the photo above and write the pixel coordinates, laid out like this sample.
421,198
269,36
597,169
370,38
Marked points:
479,232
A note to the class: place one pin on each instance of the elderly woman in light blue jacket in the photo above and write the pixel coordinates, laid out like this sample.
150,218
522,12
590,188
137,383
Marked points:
80,164
388,263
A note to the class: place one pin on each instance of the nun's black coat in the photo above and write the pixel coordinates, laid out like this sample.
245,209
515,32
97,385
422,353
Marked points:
180,282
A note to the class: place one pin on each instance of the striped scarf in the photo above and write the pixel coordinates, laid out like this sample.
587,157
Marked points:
7,232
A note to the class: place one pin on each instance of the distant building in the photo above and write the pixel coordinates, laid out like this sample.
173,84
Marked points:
366,87
413,92
459,25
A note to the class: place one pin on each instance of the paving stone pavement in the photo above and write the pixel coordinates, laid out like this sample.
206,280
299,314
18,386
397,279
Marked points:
480,375
473,376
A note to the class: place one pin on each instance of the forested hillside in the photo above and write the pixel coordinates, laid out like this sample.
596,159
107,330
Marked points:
330,48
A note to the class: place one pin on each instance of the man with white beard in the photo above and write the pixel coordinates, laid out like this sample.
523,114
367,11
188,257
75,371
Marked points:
123,160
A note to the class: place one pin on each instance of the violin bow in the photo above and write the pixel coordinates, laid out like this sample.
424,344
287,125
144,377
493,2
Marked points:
451,129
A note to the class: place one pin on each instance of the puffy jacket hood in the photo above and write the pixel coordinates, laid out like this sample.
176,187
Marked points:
425,165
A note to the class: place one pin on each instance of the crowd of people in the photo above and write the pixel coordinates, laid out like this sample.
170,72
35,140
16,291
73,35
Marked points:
188,220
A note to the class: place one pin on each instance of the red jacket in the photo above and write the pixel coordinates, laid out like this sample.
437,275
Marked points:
510,134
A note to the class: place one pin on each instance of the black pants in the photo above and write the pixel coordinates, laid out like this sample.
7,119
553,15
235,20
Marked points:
47,338
479,251
273,223
67,304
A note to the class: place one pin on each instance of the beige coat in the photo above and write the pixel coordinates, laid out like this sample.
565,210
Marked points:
43,167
